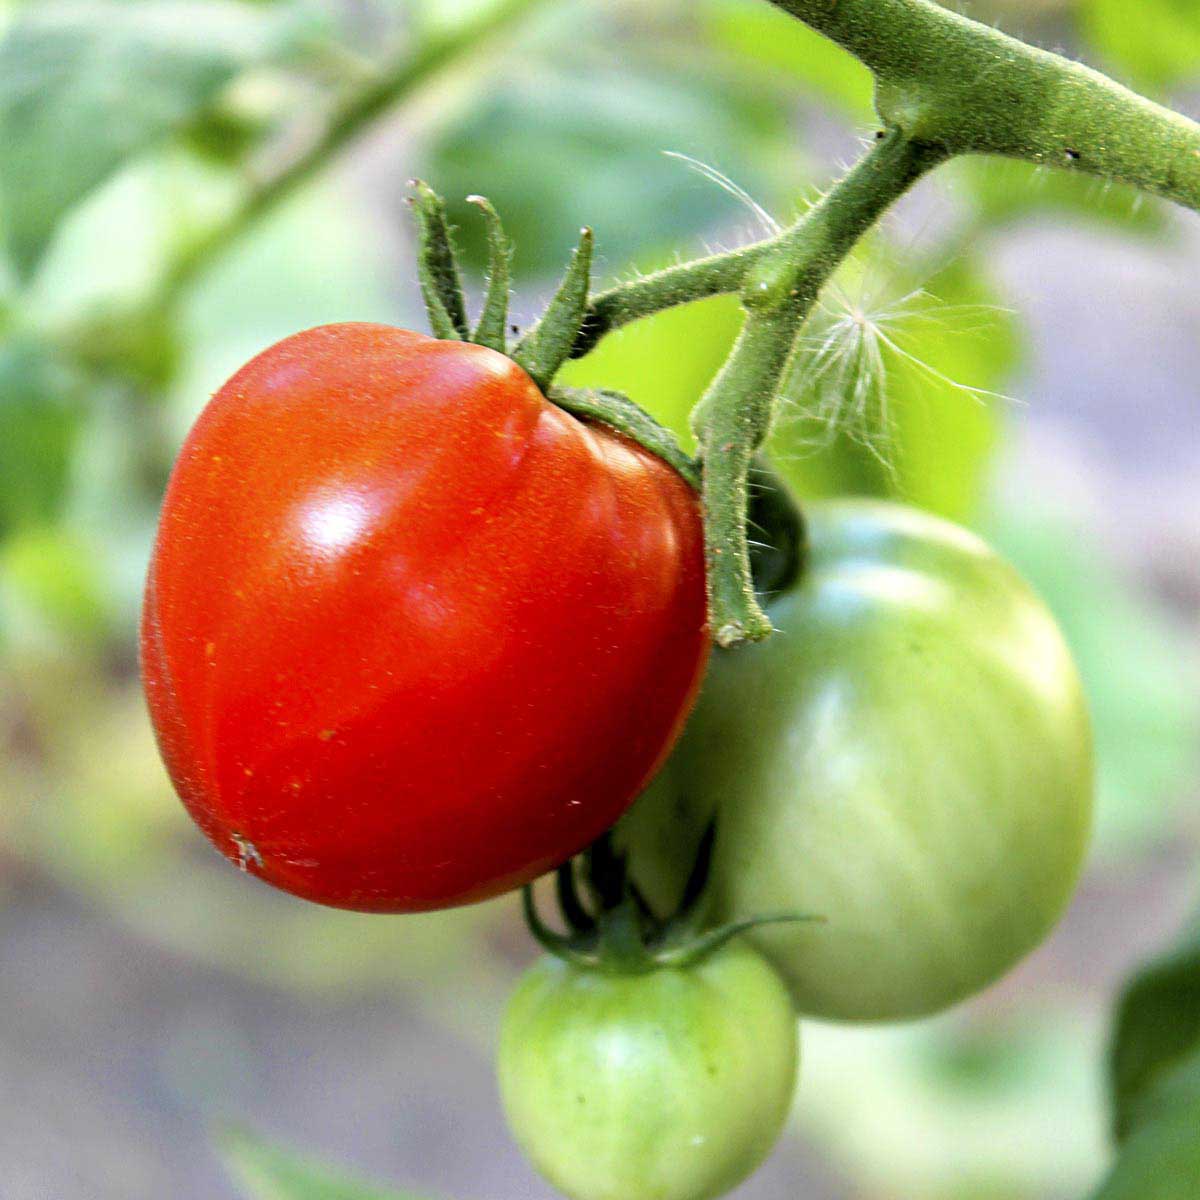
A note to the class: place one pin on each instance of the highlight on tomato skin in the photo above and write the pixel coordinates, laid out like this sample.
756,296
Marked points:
412,635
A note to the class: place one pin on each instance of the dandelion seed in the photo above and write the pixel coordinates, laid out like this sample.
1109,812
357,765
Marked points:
846,374
726,184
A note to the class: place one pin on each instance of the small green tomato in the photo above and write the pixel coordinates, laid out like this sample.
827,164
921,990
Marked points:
668,1084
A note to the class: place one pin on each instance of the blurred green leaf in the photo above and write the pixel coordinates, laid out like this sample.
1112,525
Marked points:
555,149
1155,1058
1138,670
892,393
41,410
762,36
1002,190
84,86
50,587
1155,43
1160,1158
992,1101
269,1173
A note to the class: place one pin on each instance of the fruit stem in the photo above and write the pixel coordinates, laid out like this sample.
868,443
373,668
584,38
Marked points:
734,416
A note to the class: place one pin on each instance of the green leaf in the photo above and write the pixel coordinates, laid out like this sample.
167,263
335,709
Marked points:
86,86
1156,1047
891,393
51,589
1155,43
593,140
761,36
269,1173
1003,190
1161,1158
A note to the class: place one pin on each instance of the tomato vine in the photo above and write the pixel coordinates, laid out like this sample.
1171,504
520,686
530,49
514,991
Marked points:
945,86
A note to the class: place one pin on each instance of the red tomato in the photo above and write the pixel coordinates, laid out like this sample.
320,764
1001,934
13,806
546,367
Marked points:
412,634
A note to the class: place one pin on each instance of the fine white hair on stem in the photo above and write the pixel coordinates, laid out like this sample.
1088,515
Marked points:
844,376
739,193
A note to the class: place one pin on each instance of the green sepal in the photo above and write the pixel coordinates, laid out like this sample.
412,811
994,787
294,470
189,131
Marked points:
620,932
493,319
621,413
692,951
548,345
437,266
577,917
569,949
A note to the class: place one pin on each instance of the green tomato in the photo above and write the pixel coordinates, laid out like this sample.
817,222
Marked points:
908,757
670,1084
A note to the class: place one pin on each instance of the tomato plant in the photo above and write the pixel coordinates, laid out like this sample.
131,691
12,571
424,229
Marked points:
671,1083
420,620
401,619
908,758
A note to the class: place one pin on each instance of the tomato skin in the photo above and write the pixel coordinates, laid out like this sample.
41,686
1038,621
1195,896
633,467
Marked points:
668,1085
909,757
412,635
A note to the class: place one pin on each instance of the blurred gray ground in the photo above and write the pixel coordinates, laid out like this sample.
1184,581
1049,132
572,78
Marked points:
111,1050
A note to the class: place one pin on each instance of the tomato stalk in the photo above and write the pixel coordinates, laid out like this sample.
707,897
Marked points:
734,416
964,86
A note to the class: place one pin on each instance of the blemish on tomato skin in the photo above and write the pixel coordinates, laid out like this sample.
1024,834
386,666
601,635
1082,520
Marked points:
326,735
247,853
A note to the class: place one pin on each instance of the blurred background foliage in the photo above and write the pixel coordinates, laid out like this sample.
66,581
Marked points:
156,234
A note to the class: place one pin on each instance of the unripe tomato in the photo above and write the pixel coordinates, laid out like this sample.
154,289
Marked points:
412,634
909,758
672,1084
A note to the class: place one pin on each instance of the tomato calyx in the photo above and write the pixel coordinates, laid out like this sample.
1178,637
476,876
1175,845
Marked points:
773,556
544,349
548,345
619,931
624,415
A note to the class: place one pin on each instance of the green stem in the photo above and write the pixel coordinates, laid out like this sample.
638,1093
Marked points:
681,284
355,116
734,417
965,86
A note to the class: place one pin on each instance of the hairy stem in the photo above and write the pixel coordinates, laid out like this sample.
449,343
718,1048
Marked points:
353,118
734,417
965,86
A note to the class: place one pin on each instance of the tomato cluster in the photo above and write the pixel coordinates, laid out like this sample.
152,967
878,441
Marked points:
414,636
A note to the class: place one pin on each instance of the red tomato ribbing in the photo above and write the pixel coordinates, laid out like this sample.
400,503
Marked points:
412,634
